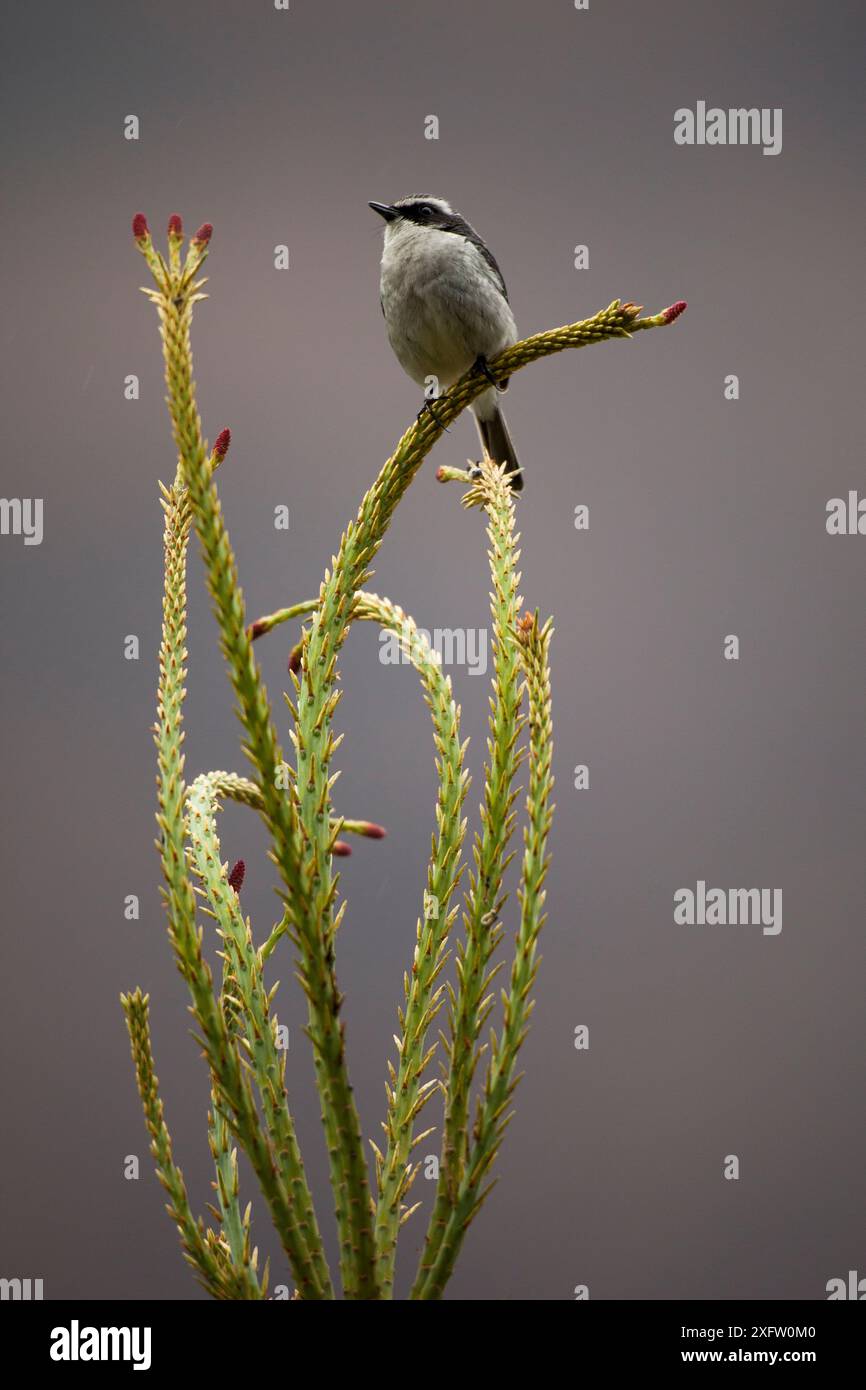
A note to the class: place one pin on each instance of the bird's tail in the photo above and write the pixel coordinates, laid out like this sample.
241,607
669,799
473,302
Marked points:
497,445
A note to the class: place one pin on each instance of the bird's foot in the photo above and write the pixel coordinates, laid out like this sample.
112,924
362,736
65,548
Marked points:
481,365
429,408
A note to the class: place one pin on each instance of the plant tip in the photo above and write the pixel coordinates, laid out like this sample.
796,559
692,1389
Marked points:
525,627
175,225
221,446
140,229
236,877
371,830
674,311
204,233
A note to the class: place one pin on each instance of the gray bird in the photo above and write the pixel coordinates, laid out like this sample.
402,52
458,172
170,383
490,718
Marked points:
446,309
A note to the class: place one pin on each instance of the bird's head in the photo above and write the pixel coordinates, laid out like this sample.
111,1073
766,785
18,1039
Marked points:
418,210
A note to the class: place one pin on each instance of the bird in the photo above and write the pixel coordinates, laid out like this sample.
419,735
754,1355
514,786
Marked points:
446,310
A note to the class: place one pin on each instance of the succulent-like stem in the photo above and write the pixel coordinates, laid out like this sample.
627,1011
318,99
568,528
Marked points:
500,1081
212,1264
299,862
235,1223
246,1000
282,615
407,1091
472,1002
247,793
231,1082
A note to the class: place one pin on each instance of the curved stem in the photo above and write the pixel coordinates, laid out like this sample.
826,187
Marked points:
407,1091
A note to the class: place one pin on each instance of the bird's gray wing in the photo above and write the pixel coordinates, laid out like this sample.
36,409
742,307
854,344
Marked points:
458,224
488,256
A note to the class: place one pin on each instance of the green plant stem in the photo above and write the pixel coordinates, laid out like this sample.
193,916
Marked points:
247,793
501,1080
234,1224
407,1091
217,1276
247,999
232,1084
485,900
304,900
283,615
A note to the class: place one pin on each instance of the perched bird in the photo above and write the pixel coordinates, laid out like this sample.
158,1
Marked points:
446,309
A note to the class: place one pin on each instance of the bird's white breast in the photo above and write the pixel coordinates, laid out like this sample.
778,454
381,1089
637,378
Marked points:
443,307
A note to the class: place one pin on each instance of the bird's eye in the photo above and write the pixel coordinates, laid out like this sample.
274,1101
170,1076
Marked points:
426,210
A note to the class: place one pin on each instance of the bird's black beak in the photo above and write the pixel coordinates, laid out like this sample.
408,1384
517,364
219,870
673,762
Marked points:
385,210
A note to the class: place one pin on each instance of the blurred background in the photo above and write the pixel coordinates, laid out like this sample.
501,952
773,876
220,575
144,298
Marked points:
707,518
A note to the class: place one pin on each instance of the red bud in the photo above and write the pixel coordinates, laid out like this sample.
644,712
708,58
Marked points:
341,848
674,311
221,445
140,229
204,233
236,877
175,225
371,830
295,658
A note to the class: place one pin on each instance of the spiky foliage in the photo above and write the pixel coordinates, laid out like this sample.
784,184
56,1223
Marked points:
407,1091
246,1005
231,1084
501,1079
297,861
235,1024
472,1001
212,1259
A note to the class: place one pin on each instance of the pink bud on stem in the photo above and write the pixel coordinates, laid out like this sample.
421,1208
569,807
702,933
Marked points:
221,444
370,829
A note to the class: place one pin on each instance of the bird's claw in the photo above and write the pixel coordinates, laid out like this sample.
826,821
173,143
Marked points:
481,365
430,409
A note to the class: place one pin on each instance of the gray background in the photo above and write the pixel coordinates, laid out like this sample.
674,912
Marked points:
707,518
